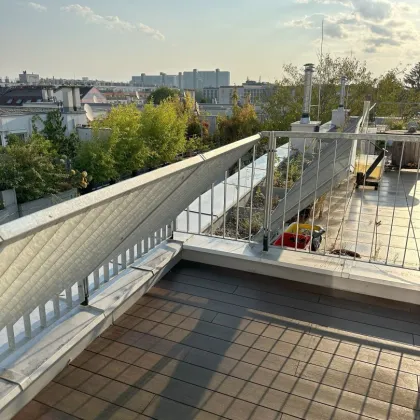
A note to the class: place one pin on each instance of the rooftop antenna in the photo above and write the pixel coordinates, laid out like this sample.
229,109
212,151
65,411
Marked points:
321,73
89,112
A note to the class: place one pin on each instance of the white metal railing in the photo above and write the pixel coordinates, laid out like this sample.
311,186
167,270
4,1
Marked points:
52,260
361,219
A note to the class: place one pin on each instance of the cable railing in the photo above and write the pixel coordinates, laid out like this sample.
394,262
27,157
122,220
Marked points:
322,194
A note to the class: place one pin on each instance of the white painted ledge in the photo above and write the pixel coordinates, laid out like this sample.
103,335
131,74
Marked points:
30,368
332,272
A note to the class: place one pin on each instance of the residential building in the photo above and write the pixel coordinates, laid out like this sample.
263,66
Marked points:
211,94
251,91
162,79
29,79
226,93
24,95
16,117
196,79
199,79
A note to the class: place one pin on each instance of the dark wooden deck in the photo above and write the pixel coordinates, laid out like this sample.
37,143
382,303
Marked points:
210,343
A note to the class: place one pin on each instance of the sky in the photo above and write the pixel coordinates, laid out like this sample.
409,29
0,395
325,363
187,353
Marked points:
114,40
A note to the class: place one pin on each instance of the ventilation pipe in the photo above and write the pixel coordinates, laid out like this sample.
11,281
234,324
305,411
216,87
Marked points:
307,95
76,98
44,93
217,78
143,75
343,91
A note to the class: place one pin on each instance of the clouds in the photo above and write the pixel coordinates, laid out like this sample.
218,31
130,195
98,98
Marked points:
372,25
38,7
112,22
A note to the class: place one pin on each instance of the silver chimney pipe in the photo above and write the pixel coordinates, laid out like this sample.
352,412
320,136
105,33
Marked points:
343,91
307,94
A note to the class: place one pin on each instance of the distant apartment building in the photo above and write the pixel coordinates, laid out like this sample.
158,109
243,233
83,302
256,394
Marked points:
196,79
252,91
160,80
211,94
29,79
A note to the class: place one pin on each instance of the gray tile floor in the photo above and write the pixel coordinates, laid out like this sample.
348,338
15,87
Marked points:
382,226
209,343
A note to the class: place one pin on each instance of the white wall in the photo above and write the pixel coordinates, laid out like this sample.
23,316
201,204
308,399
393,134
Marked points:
225,94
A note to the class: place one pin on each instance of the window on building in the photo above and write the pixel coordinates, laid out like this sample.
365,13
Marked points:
9,101
19,101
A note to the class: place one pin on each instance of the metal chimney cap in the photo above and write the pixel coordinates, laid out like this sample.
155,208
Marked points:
309,66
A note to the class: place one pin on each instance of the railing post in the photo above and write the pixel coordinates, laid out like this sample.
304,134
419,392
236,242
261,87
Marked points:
85,284
269,189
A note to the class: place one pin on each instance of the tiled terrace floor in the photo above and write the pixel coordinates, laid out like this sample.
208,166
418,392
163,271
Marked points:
382,226
210,343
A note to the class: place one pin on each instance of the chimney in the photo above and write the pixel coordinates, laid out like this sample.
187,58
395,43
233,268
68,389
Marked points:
142,78
67,99
307,95
180,80
44,93
195,79
343,91
76,98
217,78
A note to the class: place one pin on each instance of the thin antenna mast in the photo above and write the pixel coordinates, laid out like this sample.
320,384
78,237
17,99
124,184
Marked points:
320,84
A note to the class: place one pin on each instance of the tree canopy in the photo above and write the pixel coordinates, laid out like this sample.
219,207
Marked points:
32,167
162,94
54,130
412,79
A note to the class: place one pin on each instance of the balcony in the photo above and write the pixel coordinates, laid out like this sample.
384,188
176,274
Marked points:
165,297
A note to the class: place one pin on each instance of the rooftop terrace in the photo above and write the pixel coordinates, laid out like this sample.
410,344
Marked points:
213,343
125,303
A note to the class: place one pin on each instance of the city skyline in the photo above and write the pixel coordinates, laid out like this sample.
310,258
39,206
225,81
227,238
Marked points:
101,40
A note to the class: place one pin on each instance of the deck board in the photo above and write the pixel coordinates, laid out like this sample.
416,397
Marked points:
207,345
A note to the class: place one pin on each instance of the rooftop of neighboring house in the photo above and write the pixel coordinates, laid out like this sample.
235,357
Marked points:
12,111
17,96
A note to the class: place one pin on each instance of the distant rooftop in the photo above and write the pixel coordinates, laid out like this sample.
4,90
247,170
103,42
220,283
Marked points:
6,111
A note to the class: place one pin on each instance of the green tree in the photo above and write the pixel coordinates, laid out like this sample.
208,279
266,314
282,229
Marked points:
163,129
243,123
284,105
162,94
390,88
54,130
32,168
360,83
412,79
125,143
96,158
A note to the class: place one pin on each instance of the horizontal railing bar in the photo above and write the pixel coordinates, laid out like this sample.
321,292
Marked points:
411,138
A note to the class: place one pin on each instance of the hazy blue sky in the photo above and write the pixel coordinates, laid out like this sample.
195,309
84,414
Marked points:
112,39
